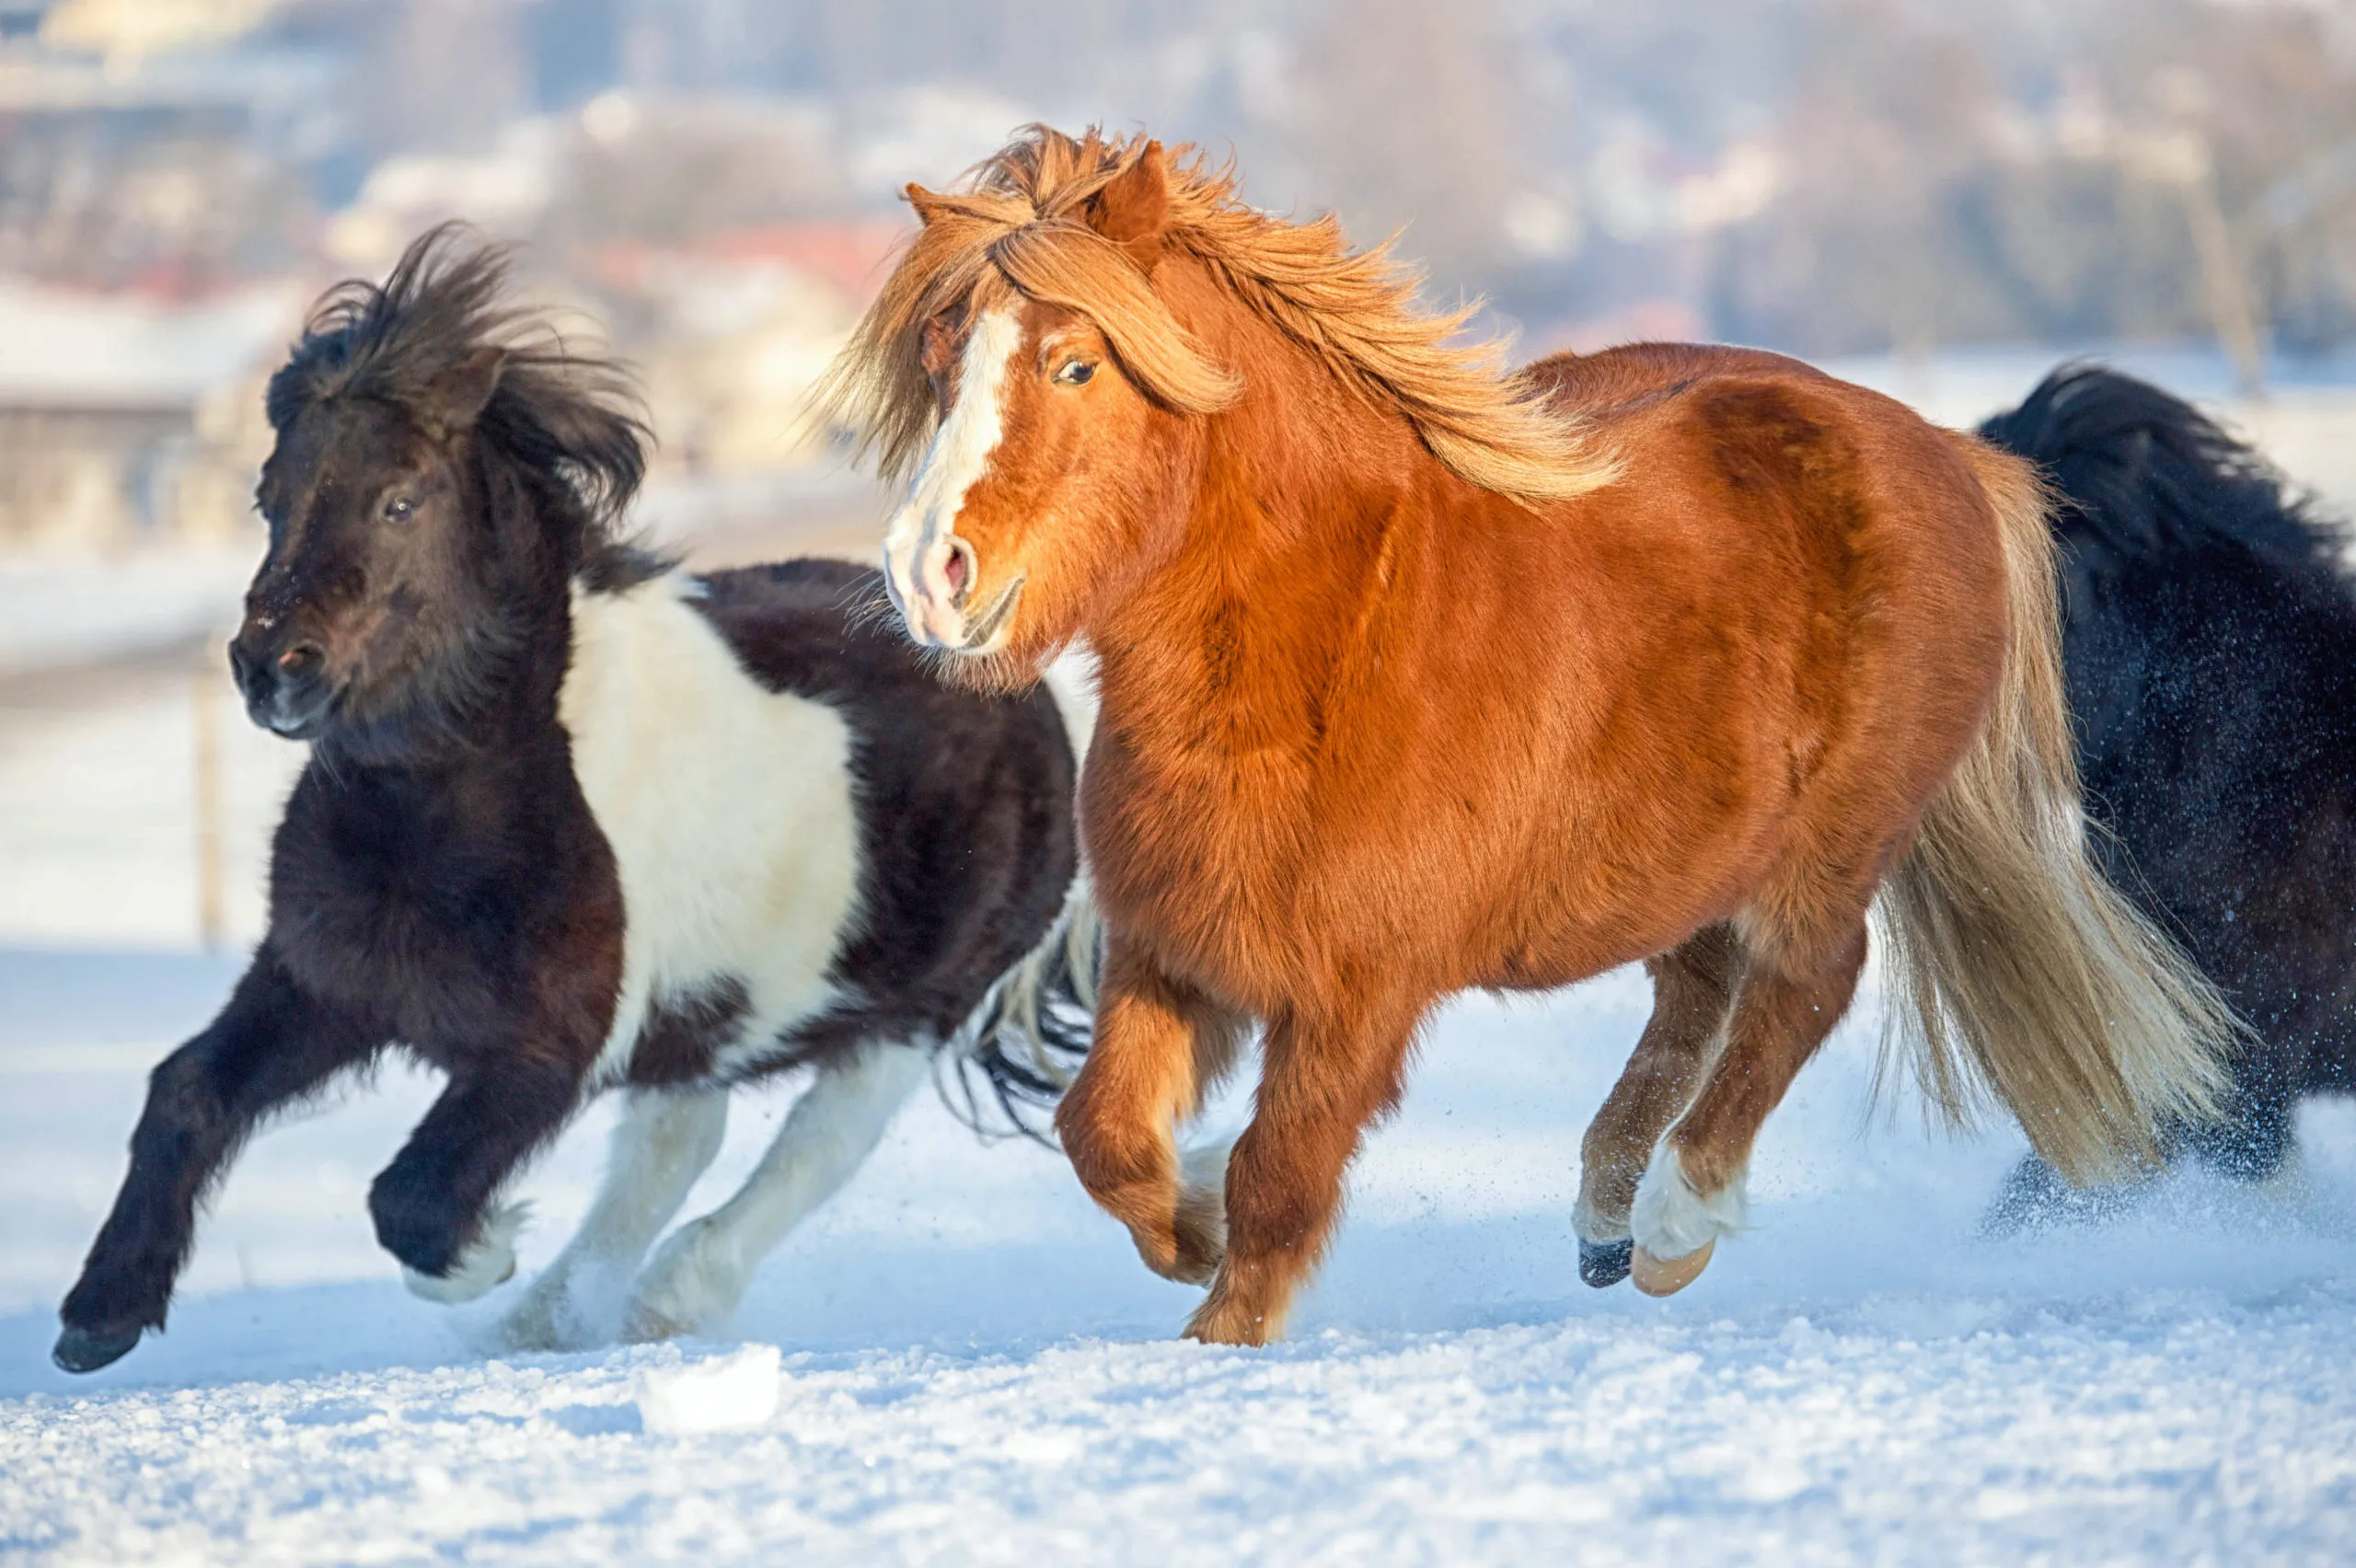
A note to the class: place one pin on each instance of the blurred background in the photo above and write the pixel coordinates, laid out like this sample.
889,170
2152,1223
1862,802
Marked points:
1942,199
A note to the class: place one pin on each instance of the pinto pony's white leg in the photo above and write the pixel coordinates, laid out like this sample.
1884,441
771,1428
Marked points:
698,1276
663,1143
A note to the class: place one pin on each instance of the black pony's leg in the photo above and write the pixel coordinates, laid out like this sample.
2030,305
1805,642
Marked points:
429,1205
272,1042
2035,1196
2248,1143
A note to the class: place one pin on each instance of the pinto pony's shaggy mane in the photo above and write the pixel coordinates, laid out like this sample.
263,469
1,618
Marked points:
1019,225
567,423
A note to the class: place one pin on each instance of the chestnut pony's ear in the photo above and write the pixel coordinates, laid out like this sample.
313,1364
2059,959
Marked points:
1134,210
925,202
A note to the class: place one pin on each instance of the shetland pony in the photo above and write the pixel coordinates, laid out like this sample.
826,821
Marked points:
1416,675
576,819
2209,639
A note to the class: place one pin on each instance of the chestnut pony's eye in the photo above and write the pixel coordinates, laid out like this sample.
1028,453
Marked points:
1074,373
399,509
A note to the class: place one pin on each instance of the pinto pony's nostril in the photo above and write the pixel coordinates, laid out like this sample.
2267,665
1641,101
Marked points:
300,660
958,569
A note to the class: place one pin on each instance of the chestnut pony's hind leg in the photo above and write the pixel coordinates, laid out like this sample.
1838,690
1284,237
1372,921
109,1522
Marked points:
1693,990
1692,1191
1159,1046
1322,1082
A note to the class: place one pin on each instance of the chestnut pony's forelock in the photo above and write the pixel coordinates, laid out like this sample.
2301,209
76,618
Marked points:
1021,227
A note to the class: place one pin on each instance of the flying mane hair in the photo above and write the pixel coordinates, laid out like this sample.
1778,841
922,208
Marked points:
1020,224
567,423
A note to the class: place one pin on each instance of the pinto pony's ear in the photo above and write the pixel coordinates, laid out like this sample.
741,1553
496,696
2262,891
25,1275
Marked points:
288,394
456,398
1133,211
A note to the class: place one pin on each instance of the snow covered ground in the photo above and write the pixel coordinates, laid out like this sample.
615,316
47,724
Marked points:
976,1369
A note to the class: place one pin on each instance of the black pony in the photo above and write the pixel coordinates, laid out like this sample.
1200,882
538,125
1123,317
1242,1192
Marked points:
575,819
2210,634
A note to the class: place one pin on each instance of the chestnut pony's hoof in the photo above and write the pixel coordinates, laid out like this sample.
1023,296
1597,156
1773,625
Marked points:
1667,1276
1604,1264
87,1350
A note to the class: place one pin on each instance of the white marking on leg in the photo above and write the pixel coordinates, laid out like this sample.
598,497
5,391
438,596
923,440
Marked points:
488,1263
917,546
664,1141
730,809
699,1274
1202,1192
1670,1219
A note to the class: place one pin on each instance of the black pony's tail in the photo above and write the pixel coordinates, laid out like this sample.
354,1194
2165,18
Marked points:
2143,473
1020,1048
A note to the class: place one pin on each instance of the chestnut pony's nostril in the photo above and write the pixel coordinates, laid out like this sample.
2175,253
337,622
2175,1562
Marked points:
959,570
301,658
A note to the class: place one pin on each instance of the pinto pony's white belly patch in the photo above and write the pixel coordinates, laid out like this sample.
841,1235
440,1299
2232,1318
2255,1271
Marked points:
729,808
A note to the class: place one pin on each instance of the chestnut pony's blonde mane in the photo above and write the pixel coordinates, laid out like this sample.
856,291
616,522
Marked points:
1020,227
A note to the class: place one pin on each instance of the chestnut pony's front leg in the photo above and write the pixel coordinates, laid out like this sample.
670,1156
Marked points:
1693,990
1324,1080
1161,1045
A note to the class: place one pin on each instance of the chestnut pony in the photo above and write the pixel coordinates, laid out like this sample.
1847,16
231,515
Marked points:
1418,675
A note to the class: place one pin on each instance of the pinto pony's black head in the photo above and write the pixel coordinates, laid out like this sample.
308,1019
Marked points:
443,469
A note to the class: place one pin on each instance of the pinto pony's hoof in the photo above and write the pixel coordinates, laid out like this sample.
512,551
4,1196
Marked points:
1604,1264
488,1263
643,1325
1667,1276
87,1350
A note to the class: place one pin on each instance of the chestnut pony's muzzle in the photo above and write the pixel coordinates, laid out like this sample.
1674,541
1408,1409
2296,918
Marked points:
932,584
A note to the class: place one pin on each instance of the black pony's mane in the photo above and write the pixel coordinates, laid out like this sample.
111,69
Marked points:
567,422
2145,473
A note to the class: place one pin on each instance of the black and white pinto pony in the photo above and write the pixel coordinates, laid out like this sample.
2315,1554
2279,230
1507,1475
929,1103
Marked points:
575,819
2210,641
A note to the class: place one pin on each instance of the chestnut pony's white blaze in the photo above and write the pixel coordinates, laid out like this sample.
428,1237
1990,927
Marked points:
922,542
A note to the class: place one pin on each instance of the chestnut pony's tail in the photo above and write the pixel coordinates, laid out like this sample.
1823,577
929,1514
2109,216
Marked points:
2014,968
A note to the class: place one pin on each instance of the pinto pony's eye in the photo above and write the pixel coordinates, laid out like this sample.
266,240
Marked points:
399,509
1074,373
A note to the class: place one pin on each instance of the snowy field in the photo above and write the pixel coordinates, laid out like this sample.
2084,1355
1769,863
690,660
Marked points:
971,1365
976,1369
